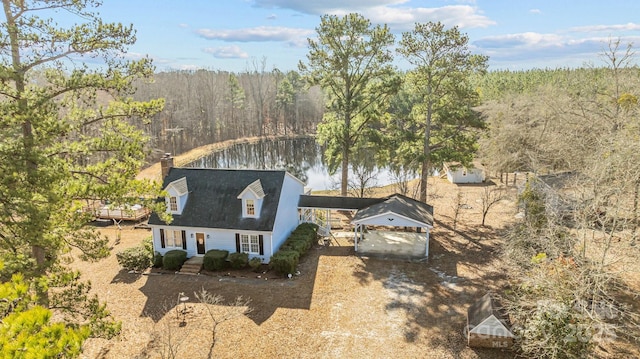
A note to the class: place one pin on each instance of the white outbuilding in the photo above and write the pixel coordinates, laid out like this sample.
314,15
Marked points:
487,324
459,174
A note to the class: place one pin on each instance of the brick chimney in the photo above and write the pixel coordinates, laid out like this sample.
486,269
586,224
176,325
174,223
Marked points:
166,162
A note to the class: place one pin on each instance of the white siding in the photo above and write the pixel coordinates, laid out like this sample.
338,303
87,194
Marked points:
223,239
217,239
287,216
257,202
157,244
463,175
180,199
389,219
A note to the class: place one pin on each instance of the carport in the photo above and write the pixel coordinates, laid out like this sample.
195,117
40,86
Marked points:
396,211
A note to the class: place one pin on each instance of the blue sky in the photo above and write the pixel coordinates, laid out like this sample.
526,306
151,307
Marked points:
233,35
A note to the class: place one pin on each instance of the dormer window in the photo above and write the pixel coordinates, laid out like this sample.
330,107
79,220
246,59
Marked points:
251,208
252,198
177,195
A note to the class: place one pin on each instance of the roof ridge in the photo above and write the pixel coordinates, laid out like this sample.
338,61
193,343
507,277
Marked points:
230,169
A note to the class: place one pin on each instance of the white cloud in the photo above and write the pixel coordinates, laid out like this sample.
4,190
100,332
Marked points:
185,67
396,13
607,28
326,6
227,52
525,39
261,34
462,16
134,56
536,11
531,49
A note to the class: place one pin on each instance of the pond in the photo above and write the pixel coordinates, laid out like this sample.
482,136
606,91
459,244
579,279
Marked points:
302,157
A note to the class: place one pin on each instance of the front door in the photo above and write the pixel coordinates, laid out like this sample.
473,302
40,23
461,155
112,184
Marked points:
200,243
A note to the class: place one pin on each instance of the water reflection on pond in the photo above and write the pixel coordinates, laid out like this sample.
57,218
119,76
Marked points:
301,157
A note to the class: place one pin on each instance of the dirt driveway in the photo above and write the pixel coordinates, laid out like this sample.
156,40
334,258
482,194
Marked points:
339,306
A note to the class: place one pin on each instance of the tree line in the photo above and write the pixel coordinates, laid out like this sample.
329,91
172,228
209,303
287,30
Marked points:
204,106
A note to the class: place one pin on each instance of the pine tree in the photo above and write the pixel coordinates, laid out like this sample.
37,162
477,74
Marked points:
67,140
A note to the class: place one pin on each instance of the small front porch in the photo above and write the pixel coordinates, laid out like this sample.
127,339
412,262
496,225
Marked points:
193,265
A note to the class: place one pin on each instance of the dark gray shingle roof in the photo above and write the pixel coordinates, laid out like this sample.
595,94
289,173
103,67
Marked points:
399,204
335,202
213,201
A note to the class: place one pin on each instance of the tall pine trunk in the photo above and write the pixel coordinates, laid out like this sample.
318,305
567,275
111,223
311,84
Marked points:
426,151
31,166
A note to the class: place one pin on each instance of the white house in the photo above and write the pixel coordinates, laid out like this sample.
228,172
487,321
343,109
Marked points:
251,211
456,173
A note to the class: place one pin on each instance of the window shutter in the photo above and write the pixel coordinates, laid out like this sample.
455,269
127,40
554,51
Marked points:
238,242
261,242
184,240
162,238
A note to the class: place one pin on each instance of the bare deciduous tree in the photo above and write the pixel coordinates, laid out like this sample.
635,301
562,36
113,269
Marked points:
364,182
169,340
491,195
219,312
458,202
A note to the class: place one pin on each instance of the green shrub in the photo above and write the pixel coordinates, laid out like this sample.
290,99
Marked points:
174,259
307,227
255,263
147,243
238,260
157,259
215,259
299,242
302,238
136,258
299,246
285,261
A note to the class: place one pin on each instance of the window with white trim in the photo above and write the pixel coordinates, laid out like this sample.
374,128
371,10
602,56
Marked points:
173,238
173,204
250,243
250,207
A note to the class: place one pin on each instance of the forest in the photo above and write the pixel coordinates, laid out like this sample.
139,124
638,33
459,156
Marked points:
203,107
72,135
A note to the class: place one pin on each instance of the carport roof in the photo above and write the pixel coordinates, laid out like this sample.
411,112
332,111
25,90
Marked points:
400,205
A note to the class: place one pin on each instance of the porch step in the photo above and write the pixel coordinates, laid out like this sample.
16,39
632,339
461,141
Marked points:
193,265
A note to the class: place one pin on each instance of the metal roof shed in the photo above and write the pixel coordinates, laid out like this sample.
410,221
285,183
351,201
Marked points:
487,324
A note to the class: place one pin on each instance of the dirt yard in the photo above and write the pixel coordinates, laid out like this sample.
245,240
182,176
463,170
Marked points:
339,306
